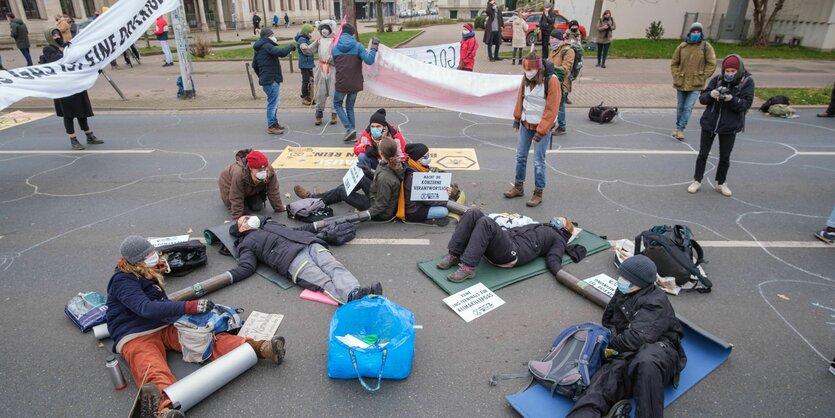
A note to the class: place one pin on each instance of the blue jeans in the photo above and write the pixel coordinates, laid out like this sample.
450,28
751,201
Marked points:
364,161
686,101
25,52
561,116
522,149
346,114
271,91
437,212
831,222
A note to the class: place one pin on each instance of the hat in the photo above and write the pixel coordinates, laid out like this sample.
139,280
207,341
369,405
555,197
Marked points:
349,29
256,160
468,26
558,33
732,61
639,270
307,28
135,248
573,23
416,150
378,117
695,26
266,33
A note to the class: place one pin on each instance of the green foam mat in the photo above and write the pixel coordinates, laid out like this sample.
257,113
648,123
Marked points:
497,277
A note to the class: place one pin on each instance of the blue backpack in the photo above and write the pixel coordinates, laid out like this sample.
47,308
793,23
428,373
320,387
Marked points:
196,332
576,355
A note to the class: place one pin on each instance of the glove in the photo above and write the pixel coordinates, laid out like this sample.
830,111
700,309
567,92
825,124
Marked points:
610,353
375,42
194,307
536,138
715,94
728,97
293,47
371,152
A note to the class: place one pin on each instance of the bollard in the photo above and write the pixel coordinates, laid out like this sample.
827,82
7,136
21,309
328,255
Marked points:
291,62
251,85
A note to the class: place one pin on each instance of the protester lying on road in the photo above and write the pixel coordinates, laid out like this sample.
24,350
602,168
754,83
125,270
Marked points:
431,212
248,183
367,146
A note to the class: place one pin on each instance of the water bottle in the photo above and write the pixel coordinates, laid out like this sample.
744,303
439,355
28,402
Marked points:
115,371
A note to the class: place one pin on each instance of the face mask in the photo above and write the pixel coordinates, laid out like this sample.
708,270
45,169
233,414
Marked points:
261,175
695,37
729,77
464,32
531,74
152,259
558,223
624,286
555,43
575,30
253,222
326,32
425,160
272,38
376,132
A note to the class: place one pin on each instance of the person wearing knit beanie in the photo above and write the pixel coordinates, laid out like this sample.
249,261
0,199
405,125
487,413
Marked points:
249,183
469,46
135,248
306,63
367,146
256,160
378,117
693,62
416,151
639,270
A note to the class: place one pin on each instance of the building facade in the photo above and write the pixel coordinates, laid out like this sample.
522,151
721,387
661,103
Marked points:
461,9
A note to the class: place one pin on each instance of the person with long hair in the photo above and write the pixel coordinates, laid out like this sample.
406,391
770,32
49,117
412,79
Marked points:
605,26
140,320
537,104
430,212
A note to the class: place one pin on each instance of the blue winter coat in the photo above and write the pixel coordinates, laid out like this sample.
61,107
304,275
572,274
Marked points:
265,63
305,61
136,305
348,56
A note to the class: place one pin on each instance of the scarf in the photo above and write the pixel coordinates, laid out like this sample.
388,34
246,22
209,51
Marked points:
401,201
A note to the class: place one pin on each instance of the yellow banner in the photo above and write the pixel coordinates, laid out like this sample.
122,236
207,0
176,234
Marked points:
17,117
341,158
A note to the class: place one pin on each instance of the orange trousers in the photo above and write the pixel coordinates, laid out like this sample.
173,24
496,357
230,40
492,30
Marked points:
148,353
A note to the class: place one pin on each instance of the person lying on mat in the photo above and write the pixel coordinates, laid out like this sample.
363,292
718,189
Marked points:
299,255
376,192
431,212
478,235
367,148
140,319
645,340
249,181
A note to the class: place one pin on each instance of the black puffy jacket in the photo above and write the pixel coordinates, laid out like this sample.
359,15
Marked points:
274,245
265,61
721,117
538,240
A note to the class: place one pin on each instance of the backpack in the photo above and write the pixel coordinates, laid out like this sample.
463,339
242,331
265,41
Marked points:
184,257
578,61
773,100
675,254
511,220
575,356
781,110
196,332
309,210
337,233
602,114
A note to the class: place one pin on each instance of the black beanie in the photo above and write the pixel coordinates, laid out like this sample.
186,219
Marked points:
379,117
349,29
266,33
558,33
639,270
416,151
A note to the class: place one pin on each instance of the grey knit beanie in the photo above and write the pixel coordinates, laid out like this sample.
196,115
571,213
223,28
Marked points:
695,26
639,270
135,248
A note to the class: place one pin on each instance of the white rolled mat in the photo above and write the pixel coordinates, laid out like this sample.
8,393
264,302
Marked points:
188,392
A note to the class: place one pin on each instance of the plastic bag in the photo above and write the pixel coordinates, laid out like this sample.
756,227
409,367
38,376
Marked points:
87,310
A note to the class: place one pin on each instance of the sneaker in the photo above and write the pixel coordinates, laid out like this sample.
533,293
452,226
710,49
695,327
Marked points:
832,367
826,236
149,398
559,131
448,261
679,135
694,186
301,191
723,188
439,221
350,136
621,409
463,273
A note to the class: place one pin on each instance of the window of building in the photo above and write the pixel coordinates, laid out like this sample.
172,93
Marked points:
473,14
291,5
283,4
301,4
5,8
89,8
30,8
68,8
453,14
308,4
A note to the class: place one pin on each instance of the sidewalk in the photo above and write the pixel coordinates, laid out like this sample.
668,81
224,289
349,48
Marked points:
626,83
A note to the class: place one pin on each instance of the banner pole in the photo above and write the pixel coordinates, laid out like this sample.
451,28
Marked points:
112,83
180,24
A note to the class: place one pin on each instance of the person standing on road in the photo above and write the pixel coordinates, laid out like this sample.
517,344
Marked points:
727,98
348,56
533,117
306,62
605,27
248,183
520,37
827,234
492,26
546,26
326,76
267,67
693,63
468,48
161,33
275,21
562,56
20,33
256,23
286,20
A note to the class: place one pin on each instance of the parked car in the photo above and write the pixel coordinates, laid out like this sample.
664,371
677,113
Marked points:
532,18
508,16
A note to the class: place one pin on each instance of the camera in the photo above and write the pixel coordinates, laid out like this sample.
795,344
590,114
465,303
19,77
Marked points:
723,92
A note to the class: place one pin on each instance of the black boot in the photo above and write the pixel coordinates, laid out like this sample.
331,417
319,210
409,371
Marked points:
92,140
75,144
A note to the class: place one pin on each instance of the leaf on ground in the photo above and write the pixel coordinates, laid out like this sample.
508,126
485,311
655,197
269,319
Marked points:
782,296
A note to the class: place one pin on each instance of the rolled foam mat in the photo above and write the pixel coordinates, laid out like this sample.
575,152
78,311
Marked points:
497,277
222,233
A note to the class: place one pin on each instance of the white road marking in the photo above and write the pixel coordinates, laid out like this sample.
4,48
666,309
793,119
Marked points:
619,151
379,241
127,151
761,244
815,153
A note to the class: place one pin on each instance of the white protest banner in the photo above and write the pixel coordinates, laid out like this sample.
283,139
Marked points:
352,178
260,325
603,283
159,242
473,302
430,186
101,42
444,56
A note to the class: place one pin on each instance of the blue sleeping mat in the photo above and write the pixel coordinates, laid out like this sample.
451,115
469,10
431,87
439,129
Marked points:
705,353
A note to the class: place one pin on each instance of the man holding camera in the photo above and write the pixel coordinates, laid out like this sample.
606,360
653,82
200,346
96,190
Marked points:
693,63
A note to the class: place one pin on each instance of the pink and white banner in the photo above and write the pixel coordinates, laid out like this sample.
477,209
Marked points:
396,76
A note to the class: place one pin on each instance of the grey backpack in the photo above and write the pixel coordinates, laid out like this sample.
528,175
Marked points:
309,210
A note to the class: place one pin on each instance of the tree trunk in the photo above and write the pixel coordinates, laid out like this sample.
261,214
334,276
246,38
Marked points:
351,12
763,21
378,7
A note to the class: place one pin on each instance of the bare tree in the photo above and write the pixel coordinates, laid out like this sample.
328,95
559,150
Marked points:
351,12
378,9
763,21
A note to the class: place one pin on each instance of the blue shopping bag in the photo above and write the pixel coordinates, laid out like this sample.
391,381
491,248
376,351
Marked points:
387,329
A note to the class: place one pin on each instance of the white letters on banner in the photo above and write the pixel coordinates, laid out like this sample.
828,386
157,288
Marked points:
352,178
102,41
430,186
473,302
444,56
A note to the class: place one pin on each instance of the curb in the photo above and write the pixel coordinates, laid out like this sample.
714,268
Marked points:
420,32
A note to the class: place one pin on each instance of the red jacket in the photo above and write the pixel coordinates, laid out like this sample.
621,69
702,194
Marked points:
365,141
161,24
468,48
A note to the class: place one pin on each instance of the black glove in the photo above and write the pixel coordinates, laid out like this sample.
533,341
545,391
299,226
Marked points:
371,152
293,47
375,42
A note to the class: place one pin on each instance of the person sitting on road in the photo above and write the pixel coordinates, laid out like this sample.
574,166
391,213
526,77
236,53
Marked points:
376,192
430,212
478,235
367,146
301,256
645,343
140,320
248,183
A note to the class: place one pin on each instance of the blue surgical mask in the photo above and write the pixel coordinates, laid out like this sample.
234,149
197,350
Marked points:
729,77
695,37
376,132
558,223
624,286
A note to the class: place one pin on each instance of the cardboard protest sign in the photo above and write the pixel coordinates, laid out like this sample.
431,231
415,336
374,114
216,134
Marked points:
473,302
430,186
352,178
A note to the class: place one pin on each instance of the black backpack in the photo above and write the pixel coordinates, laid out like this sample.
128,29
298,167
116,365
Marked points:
184,257
578,61
602,114
675,254
773,100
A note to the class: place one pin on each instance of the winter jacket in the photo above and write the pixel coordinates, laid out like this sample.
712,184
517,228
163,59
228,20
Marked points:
20,33
385,190
537,240
604,36
365,141
256,20
64,26
468,49
348,56
692,65
546,24
137,306
274,245
161,29
305,61
520,36
266,62
236,184
416,211
492,14
564,57
727,117
549,114
643,317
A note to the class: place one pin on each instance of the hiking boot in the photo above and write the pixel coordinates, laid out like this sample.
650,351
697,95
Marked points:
280,126
679,135
92,140
149,398
694,186
350,136
826,235
536,199
307,101
439,221
275,130
318,118
272,349
463,273
723,188
517,190
377,289
621,409
334,119
559,131
448,261
301,192
75,144
568,100
171,413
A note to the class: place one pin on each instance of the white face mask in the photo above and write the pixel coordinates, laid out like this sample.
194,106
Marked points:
326,33
253,222
531,74
152,259
464,32
261,175
272,38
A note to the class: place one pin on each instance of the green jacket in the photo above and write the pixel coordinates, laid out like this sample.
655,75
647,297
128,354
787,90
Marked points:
692,65
385,190
20,33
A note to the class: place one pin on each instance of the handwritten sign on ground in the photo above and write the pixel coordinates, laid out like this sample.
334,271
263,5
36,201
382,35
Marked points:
260,325
159,242
473,302
603,283
15,118
430,186
352,178
449,159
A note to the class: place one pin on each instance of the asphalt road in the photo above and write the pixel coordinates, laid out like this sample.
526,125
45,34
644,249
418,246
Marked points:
62,217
